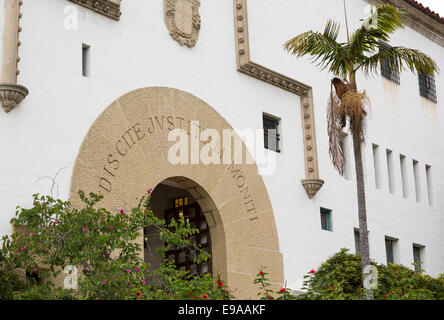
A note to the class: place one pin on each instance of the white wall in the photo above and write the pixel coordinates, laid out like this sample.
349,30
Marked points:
45,132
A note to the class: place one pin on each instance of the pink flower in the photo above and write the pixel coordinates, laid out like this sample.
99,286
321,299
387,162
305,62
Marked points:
150,191
23,248
283,290
146,271
312,271
114,277
205,296
139,294
122,212
111,227
56,222
137,269
128,270
31,234
85,229
16,250
330,288
34,270
220,283
143,282
105,281
44,249
261,273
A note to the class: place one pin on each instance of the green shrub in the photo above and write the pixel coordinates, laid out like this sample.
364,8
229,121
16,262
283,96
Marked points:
102,245
340,278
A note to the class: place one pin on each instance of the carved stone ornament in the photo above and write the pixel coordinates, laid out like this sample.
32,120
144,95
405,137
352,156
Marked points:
183,20
11,95
312,186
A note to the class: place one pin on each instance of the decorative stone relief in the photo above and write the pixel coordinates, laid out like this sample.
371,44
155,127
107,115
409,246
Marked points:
183,20
312,183
109,8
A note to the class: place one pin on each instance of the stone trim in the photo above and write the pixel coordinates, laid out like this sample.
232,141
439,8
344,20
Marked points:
312,183
418,20
11,93
109,8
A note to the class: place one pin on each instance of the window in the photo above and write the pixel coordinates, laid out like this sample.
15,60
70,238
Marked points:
85,60
391,178
390,249
429,184
326,219
387,70
404,180
357,242
377,166
271,133
427,87
417,257
417,177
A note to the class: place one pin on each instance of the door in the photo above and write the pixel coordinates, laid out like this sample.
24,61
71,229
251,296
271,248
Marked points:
184,256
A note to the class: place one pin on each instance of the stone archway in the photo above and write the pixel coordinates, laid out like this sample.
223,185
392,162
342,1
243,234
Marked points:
126,152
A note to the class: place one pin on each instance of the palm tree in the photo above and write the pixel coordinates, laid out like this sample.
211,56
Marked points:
364,51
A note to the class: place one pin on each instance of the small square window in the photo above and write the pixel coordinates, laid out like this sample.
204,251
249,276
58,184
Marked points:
271,133
326,223
387,70
427,86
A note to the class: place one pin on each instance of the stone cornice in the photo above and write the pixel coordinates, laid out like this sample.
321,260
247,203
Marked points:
418,20
109,8
312,183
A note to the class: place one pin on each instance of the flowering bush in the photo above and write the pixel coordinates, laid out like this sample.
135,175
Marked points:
265,293
339,278
102,246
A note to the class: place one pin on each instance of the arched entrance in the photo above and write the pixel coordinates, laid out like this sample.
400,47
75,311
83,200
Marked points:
170,200
126,152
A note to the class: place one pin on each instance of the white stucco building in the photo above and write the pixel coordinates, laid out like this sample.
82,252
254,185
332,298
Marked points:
76,61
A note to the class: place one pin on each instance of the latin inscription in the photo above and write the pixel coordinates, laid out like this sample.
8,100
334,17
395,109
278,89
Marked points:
136,133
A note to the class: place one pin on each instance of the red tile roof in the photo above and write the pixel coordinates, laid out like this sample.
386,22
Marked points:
426,10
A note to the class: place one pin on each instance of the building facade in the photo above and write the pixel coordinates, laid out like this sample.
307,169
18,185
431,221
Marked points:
102,84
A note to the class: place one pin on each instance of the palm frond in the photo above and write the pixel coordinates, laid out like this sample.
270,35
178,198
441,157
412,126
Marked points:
368,36
399,59
323,47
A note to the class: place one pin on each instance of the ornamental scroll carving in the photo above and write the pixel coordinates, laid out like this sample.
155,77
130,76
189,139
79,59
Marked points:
183,20
109,8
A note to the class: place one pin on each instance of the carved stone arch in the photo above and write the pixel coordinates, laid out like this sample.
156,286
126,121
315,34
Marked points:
125,152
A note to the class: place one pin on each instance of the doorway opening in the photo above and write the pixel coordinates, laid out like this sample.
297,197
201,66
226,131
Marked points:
170,200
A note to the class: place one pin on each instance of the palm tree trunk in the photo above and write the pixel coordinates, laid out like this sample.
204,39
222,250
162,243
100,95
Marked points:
362,211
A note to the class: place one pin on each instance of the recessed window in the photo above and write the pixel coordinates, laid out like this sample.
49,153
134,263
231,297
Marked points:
357,241
85,59
326,223
404,176
418,257
390,175
417,177
429,184
271,133
427,86
377,166
387,70
390,249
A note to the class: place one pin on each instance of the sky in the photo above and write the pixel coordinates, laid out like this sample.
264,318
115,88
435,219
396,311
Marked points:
434,5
